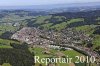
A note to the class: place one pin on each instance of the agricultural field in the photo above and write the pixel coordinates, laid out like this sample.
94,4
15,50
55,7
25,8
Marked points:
53,53
5,43
96,40
9,28
6,64
88,29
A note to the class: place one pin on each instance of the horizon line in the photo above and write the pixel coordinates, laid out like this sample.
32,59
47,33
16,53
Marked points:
45,4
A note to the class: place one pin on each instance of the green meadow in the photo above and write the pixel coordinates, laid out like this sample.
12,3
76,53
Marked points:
39,52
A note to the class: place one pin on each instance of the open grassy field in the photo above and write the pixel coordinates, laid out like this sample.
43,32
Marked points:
5,46
6,64
7,28
5,43
4,28
39,52
88,29
96,40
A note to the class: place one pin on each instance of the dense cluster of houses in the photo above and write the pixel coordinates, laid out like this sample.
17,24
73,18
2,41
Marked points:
36,36
30,36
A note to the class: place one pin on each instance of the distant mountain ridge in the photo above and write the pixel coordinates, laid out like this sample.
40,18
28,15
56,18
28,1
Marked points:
53,6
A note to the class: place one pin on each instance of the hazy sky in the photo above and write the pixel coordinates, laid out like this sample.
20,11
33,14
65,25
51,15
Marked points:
40,2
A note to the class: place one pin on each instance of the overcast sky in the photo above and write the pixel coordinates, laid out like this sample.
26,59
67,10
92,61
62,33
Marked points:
41,2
